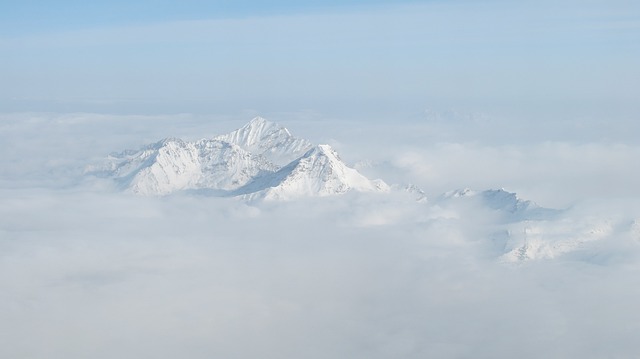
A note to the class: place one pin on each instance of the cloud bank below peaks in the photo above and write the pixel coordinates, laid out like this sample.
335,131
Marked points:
377,274
263,162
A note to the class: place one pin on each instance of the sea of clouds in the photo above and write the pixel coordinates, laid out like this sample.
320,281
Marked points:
86,271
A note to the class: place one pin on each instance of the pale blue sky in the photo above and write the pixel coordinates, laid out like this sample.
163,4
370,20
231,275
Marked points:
356,56
30,16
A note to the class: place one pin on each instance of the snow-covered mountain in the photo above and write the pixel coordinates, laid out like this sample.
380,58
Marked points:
527,240
320,172
508,204
245,162
523,230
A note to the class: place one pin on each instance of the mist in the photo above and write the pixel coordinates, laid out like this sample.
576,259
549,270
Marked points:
106,275
87,271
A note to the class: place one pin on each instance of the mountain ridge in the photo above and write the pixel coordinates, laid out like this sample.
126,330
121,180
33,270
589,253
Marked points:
239,165
246,162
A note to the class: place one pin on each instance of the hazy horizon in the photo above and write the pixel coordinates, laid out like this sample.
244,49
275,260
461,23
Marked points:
556,59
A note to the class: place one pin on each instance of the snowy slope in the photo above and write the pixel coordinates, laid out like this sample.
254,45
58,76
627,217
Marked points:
173,164
320,172
269,139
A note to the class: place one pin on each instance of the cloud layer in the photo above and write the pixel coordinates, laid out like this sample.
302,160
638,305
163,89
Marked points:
89,272
106,275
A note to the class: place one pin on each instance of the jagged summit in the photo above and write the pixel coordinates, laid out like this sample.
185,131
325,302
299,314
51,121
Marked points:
268,139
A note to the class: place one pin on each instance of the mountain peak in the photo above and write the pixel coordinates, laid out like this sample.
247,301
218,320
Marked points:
259,121
261,124
258,129
319,172
269,139
323,150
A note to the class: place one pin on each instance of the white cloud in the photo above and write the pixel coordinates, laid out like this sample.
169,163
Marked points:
83,274
86,272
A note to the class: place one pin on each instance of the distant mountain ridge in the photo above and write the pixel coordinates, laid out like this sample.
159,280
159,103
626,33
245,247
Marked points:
508,204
